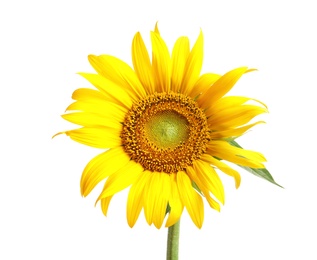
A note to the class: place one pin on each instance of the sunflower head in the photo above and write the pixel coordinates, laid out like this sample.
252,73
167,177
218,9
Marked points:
166,129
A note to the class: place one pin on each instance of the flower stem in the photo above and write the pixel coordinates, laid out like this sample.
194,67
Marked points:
173,242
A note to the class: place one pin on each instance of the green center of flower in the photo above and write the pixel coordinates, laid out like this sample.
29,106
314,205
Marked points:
167,129
165,132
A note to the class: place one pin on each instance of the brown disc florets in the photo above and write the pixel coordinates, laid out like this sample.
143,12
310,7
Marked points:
165,132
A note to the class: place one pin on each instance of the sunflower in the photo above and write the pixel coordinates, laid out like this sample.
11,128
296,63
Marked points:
165,128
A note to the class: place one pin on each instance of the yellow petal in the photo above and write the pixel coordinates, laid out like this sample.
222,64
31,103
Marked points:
142,64
175,203
203,187
105,204
161,204
223,167
99,107
233,132
99,137
203,84
191,199
223,150
121,179
210,178
156,197
135,198
148,212
162,188
92,120
179,57
230,102
113,92
193,65
101,167
118,72
221,87
86,94
234,117
161,63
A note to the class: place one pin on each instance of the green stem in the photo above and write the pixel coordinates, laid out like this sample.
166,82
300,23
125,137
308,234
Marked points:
173,242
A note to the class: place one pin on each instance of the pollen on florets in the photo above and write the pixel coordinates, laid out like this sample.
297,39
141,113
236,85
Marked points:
165,132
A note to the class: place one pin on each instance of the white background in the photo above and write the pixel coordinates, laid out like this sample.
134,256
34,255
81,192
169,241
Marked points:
43,45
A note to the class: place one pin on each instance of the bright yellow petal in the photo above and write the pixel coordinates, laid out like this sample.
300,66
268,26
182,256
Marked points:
99,137
210,178
113,92
225,151
86,94
101,167
105,204
118,72
135,198
179,57
161,63
223,167
148,201
121,179
234,117
156,198
233,132
221,87
203,187
193,65
203,84
142,64
161,204
162,187
225,103
191,199
230,102
175,203
92,120
99,107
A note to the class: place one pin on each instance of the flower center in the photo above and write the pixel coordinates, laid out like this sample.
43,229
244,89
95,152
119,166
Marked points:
165,132
167,129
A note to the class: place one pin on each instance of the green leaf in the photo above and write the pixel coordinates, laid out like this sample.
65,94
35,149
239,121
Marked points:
261,172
